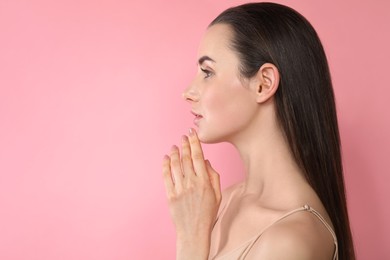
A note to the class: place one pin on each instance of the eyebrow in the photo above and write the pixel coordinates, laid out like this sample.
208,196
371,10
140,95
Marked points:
204,58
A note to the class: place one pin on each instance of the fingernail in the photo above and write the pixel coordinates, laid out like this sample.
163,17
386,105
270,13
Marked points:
174,147
191,131
184,138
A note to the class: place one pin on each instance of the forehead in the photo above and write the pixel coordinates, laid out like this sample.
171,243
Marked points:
216,41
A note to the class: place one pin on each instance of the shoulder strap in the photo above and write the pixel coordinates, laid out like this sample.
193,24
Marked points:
304,208
321,218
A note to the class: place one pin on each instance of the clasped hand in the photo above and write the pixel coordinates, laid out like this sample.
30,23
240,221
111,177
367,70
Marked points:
193,189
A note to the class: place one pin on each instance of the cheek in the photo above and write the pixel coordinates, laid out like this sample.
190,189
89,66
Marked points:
216,103
227,110
225,101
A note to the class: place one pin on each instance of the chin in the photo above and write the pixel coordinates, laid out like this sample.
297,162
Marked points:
208,138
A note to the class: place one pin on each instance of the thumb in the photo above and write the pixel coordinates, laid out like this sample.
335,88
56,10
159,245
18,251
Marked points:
214,179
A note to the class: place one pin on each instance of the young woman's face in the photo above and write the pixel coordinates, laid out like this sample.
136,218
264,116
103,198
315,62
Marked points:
217,94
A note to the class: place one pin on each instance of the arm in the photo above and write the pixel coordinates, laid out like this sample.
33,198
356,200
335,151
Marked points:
194,196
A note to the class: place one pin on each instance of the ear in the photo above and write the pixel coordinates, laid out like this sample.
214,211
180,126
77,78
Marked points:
265,82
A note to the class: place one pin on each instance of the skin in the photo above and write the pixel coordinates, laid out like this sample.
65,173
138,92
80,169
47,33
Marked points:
240,111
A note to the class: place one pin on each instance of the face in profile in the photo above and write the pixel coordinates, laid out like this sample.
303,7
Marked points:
220,99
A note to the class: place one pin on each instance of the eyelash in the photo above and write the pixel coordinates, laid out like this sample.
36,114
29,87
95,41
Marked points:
207,72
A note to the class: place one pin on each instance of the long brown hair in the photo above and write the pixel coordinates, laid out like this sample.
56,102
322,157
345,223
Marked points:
306,110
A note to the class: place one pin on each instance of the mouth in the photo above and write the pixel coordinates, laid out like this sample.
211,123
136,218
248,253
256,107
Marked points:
196,115
197,118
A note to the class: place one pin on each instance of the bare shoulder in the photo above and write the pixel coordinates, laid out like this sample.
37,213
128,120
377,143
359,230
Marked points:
300,236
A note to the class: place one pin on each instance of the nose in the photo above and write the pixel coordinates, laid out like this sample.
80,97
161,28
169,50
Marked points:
191,93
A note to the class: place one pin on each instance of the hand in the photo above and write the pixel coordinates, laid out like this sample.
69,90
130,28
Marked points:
194,195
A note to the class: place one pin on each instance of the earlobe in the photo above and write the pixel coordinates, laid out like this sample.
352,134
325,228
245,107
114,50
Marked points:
268,82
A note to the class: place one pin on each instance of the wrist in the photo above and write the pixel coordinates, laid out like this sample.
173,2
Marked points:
192,247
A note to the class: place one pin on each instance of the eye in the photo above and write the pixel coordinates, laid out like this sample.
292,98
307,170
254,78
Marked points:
207,73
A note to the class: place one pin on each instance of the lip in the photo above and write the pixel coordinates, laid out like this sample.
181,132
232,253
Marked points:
197,118
196,114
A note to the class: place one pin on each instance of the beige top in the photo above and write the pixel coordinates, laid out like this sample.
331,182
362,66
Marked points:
241,251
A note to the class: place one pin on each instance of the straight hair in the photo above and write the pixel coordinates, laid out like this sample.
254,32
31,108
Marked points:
305,103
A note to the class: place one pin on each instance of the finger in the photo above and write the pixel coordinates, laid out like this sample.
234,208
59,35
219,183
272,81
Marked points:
215,180
197,155
168,181
186,160
176,168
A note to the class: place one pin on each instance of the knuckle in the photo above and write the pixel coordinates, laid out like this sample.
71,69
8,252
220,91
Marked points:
190,188
172,198
185,145
193,141
180,196
197,156
165,169
186,158
165,164
175,163
166,174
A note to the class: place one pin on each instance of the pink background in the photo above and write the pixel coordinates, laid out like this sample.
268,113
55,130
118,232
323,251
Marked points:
90,101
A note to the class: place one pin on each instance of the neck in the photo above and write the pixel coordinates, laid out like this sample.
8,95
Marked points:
272,174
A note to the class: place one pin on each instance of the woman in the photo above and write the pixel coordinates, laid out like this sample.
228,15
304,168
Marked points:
263,85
